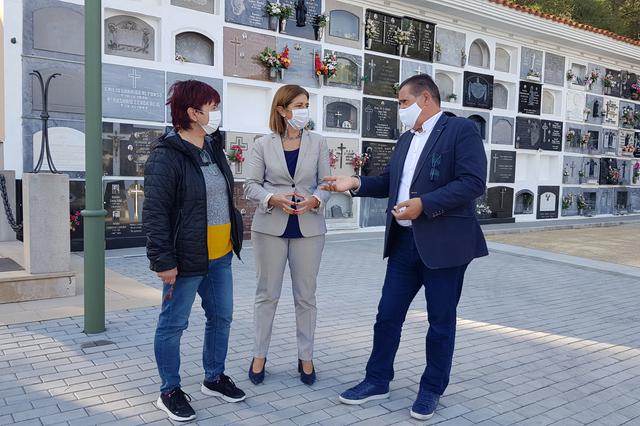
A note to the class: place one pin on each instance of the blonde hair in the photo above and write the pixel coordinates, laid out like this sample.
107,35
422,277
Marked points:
283,97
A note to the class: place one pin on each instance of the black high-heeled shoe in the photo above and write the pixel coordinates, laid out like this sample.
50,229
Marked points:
257,378
307,379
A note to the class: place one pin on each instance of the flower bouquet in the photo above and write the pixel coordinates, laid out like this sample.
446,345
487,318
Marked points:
275,62
325,68
333,159
359,161
609,83
236,155
567,201
74,220
370,32
591,79
319,24
402,39
636,173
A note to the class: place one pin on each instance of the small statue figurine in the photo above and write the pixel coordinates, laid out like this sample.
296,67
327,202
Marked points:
596,109
301,14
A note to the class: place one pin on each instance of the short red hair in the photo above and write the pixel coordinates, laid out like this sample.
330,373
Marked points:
189,94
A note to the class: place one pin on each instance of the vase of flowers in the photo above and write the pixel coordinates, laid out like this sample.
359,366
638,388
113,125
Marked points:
609,83
582,204
181,58
567,202
283,59
613,176
274,10
580,176
533,75
438,52
571,76
636,173
359,161
275,62
325,68
571,137
74,220
635,91
319,24
286,12
565,175
370,32
591,78
235,155
483,211
402,39
333,160
585,114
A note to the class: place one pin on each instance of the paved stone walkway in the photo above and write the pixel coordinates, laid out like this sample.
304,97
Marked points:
539,342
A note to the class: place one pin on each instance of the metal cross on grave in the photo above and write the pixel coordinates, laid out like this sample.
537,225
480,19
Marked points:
419,71
573,166
368,110
338,114
372,65
545,129
134,76
236,45
341,148
495,157
136,192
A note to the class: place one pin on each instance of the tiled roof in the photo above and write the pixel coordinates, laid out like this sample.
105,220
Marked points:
570,22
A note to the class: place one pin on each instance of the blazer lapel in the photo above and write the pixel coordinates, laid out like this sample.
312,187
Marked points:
305,142
279,151
431,142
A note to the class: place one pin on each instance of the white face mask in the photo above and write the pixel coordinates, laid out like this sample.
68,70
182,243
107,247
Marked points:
299,119
409,115
215,117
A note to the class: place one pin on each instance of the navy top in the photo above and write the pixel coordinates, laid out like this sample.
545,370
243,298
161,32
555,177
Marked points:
293,226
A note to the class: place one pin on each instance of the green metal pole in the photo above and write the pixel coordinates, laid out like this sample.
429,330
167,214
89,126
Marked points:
94,212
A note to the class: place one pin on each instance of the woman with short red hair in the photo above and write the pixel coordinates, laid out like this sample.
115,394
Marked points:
192,230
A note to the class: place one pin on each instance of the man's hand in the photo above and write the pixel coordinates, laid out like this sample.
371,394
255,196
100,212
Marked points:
340,183
282,201
168,277
304,203
408,210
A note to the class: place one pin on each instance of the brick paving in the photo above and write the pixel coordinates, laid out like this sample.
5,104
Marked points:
539,342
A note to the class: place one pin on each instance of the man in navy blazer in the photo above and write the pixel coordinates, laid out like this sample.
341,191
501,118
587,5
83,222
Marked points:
435,174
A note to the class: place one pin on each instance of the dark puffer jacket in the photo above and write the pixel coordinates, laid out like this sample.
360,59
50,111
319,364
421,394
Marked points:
175,206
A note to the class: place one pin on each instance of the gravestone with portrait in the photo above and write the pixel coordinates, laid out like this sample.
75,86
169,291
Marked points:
300,24
302,55
349,70
531,64
341,115
528,133
595,106
207,6
548,202
241,50
411,68
345,24
421,39
386,26
247,12
502,130
478,90
130,37
379,119
551,135
502,166
529,98
626,115
500,201
381,74
195,48
554,69
245,141
449,47
614,77
373,210
133,93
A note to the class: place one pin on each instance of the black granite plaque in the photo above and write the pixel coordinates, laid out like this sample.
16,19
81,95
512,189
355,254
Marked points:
247,12
502,167
380,75
386,26
478,90
528,133
126,147
616,83
123,201
422,38
548,202
607,168
379,156
552,135
500,201
379,118
629,79
529,98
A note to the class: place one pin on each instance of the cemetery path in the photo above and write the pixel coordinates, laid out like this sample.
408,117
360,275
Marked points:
539,342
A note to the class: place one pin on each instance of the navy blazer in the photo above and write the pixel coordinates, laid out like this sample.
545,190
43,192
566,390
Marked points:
450,175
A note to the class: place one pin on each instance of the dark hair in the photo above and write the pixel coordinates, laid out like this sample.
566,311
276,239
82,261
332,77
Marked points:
283,97
189,94
420,83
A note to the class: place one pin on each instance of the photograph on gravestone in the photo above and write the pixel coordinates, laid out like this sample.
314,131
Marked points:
595,109
593,141
610,141
502,131
207,6
381,74
626,143
196,48
302,55
411,68
341,152
379,156
130,37
245,142
216,83
76,205
611,112
246,12
528,133
478,90
123,201
552,132
344,24
348,71
380,29
548,202
500,201
554,69
531,64
341,115
53,29
132,93
529,98
241,50
126,147
421,40
502,166
449,47
612,82
379,119
300,24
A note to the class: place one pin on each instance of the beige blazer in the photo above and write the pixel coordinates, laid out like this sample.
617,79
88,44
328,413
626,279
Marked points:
267,174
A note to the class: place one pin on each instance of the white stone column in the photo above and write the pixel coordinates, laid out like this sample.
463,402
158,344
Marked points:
6,232
47,246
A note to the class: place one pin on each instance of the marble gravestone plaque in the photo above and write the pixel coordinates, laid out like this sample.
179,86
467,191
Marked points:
626,115
611,112
500,201
216,83
502,166
386,26
195,48
531,64
528,133
53,29
381,74
132,93
373,211
207,6
379,118
66,91
548,202
552,135
345,24
343,149
241,50
592,133
502,131
300,24
573,137
349,71
246,12
422,38
529,98
379,156
597,86
126,147
595,106
572,166
554,69
629,79
478,90
411,68
130,37
576,102
245,141
67,148
302,56
341,115
610,141
616,83
449,47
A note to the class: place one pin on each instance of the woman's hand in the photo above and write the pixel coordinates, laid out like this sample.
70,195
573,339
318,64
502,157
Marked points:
304,203
168,277
282,201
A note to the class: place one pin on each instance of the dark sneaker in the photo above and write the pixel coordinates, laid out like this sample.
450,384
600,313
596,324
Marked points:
223,387
425,405
363,392
176,405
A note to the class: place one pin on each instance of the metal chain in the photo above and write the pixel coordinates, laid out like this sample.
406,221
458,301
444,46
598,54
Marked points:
7,206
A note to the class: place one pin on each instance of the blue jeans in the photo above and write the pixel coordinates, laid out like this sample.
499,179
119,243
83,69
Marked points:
406,274
216,291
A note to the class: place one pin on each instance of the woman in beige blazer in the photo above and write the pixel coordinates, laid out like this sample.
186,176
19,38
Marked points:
284,172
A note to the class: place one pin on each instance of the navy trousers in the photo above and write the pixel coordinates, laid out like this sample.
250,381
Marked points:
406,274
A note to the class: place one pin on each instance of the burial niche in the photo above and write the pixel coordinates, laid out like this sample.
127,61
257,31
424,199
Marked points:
524,202
500,96
129,36
502,132
548,102
344,24
58,29
479,54
503,60
194,47
348,72
481,124
445,85
341,115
